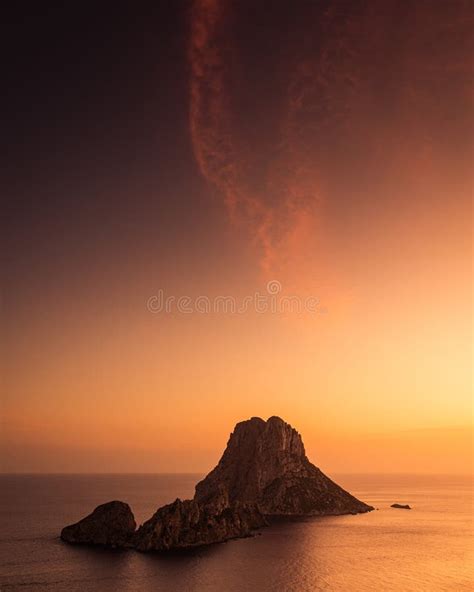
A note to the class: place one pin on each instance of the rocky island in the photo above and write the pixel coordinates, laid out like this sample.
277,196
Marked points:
263,473
110,525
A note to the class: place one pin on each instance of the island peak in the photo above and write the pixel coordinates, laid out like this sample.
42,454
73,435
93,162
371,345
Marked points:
263,472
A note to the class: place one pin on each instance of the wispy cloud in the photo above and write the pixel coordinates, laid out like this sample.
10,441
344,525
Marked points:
347,86
279,215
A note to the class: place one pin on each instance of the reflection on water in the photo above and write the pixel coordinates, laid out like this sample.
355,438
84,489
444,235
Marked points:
428,548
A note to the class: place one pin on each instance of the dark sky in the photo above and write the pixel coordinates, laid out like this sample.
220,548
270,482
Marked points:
100,169
97,102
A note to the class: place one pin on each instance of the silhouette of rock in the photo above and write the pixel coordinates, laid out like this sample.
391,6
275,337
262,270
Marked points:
111,525
401,506
185,524
265,464
263,472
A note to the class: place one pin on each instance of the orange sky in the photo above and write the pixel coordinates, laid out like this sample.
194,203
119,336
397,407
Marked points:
364,204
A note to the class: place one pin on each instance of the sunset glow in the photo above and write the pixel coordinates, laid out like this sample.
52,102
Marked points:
345,176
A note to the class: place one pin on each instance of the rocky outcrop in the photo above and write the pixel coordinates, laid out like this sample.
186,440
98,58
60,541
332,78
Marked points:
111,525
401,506
263,472
265,464
185,524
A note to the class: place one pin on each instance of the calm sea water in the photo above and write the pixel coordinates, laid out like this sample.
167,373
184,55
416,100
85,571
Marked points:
427,549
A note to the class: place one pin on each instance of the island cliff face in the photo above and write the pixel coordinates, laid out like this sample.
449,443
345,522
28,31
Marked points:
265,464
263,472
185,524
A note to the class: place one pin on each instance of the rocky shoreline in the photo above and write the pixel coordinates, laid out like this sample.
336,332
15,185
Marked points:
263,473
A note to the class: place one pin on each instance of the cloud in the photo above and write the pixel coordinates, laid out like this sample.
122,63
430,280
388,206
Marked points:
278,214
355,91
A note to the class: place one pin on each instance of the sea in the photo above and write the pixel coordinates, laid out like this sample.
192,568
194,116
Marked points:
429,548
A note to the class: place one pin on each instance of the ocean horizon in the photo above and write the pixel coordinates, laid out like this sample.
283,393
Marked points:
429,548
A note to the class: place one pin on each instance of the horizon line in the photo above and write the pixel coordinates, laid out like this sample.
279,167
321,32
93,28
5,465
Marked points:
142,473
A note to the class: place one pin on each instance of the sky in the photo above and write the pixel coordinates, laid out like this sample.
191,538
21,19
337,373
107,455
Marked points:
199,153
